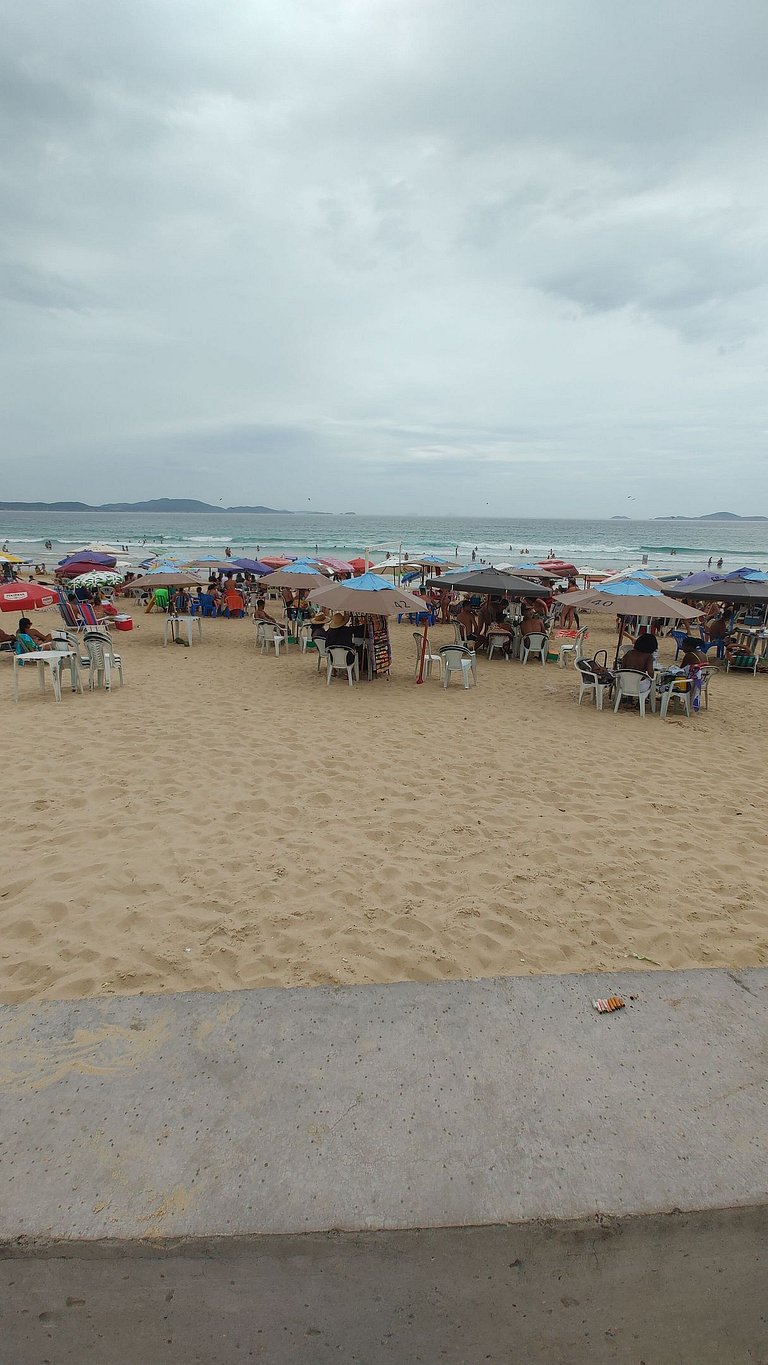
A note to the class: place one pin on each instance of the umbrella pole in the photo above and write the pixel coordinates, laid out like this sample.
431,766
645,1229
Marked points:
423,652
618,642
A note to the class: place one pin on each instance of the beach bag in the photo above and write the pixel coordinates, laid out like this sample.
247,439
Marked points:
599,666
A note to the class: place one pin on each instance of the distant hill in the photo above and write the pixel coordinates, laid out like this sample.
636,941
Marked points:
713,516
153,505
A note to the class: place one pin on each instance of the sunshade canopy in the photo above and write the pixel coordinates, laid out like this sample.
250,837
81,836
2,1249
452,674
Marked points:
26,597
490,581
368,595
629,597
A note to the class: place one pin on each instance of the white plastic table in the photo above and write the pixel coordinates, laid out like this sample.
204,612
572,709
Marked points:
177,622
54,660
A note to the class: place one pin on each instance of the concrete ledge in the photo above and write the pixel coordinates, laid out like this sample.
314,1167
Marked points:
684,1289
407,1106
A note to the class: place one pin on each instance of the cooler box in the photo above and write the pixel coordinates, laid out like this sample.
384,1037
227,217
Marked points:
123,622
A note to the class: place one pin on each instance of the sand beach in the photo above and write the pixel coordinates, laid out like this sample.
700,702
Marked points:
226,820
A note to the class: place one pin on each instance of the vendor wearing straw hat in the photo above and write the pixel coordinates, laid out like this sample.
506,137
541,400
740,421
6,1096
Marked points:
339,632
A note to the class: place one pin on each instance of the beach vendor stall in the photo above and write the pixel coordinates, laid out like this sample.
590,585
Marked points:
369,599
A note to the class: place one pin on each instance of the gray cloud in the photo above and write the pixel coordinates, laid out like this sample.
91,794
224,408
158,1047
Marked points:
386,255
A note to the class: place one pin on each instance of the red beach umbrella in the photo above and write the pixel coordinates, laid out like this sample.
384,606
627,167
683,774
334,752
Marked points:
275,561
26,597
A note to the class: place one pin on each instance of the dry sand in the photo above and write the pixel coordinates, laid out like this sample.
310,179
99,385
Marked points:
226,820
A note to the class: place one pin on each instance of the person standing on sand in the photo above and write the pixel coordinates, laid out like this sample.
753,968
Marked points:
570,614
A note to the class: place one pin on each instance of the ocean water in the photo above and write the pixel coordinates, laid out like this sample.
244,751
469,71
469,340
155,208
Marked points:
594,544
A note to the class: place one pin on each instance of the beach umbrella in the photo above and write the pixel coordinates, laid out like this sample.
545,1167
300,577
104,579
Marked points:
256,566
629,597
359,564
531,571
94,557
433,562
210,562
331,562
489,581
98,578
368,595
98,547
277,561
166,576
6,558
26,597
560,567
302,574
747,575
693,581
738,590
78,567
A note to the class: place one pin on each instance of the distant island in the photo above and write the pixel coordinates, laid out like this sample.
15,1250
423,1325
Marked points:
153,505
713,516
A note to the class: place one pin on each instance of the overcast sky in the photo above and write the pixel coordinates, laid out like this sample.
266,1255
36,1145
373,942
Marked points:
502,256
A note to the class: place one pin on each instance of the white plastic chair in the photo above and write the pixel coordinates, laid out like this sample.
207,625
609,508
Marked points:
675,689
589,682
456,658
271,634
537,645
706,678
498,639
102,660
630,682
336,658
322,651
429,659
574,647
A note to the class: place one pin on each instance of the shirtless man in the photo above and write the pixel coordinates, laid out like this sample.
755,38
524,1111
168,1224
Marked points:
466,619
260,613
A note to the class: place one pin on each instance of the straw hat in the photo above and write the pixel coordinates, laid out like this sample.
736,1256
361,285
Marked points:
339,618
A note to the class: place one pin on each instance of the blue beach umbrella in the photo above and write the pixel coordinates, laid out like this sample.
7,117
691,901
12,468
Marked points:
368,595
250,566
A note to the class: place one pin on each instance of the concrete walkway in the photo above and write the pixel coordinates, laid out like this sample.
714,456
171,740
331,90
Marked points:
401,1106
269,1115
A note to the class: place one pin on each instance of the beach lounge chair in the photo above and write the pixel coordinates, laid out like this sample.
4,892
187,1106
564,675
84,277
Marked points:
337,661
742,663
429,659
71,618
630,682
90,620
459,659
103,660
538,645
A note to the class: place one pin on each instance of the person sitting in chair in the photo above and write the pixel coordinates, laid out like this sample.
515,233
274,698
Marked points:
260,612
